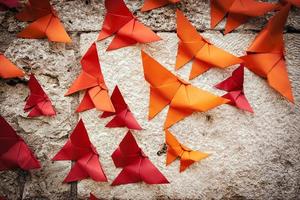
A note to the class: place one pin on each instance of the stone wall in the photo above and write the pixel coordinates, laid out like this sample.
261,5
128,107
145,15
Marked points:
253,156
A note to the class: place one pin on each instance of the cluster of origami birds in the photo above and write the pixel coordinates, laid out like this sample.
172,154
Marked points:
265,57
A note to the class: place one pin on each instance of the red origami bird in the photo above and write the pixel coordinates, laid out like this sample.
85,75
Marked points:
120,21
136,165
123,115
38,103
92,81
14,152
4,4
92,197
79,149
152,4
238,11
46,23
8,69
234,85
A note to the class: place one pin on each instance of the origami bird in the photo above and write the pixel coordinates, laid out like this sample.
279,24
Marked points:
152,4
4,4
93,197
14,152
38,103
193,46
238,12
127,29
136,165
8,69
92,81
46,23
234,85
177,150
167,89
79,149
265,56
123,115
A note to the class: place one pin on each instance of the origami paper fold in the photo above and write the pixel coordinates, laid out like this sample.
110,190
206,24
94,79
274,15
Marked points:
8,69
265,56
177,150
234,85
93,197
46,23
152,4
167,89
14,152
79,149
127,29
4,4
193,46
92,81
136,165
294,2
238,12
38,103
123,115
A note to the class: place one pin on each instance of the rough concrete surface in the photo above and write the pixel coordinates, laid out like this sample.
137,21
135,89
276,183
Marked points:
253,156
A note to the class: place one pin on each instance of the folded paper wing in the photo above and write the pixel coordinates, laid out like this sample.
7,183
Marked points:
8,69
136,165
46,23
152,4
79,149
123,117
176,150
234,85
294,2
38,103
93,197
167,89
193,46
14,152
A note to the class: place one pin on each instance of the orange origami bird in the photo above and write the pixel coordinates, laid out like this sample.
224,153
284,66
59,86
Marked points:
46,23
177,150
238,11
92,81
193,46
265,56
8,69
167,89
152,4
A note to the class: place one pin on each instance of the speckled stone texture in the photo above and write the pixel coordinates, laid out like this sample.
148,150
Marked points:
253,156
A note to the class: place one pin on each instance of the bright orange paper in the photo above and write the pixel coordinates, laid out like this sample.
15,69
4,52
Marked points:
167,89
193,46
265,56
8,69
177,150
152,4
238,12
46,23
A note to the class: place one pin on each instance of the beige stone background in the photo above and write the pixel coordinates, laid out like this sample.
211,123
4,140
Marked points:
253,156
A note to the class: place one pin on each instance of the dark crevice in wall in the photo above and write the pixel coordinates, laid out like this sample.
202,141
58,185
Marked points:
22,175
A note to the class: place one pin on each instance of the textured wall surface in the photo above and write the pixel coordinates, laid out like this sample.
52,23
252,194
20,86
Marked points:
253,156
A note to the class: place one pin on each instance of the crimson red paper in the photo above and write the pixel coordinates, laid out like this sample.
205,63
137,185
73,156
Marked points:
14,152
127,29
38,103
123,117
79,149
93,197
4,4
294,2
234,85
136,165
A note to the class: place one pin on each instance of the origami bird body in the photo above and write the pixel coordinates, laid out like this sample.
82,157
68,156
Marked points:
38,103
152,4
123,115
8,69
194,46
265,56
92,81
79,149
136,165
8,4
234,86
238,11
93,197
120,21
46,23
167,89
177,150
14,153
